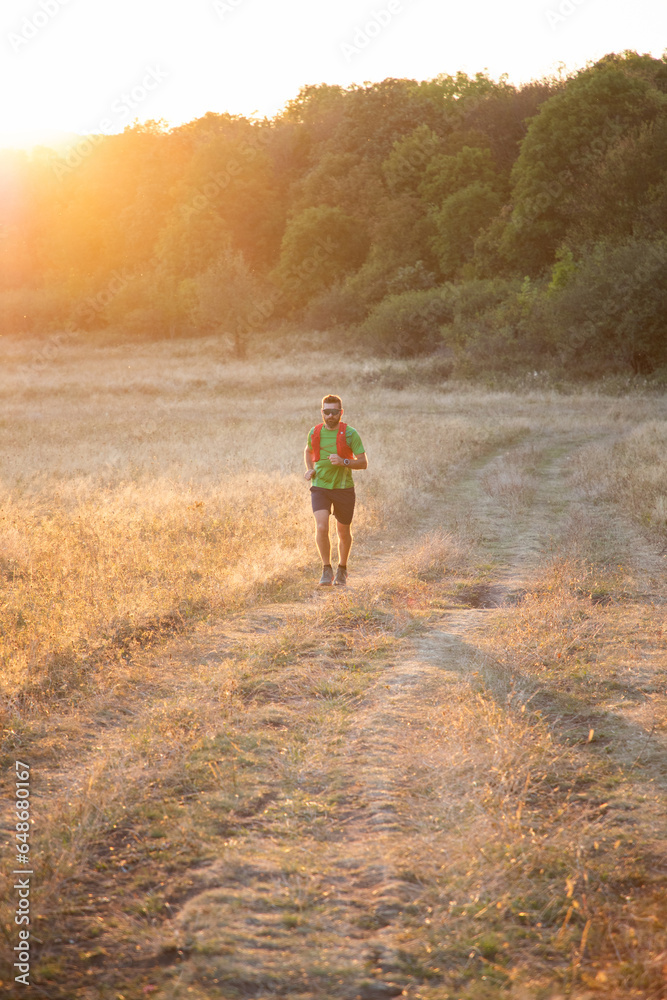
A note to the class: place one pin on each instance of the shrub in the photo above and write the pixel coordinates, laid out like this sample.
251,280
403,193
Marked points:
496,327
479,296
610,317
32,310
409,324
336,306
411,277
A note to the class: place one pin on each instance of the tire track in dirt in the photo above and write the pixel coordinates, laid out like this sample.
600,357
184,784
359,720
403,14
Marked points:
523,538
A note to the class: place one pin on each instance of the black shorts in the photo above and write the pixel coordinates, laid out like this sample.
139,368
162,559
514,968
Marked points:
342,502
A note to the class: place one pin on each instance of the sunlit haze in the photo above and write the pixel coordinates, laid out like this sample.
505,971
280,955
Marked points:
75,66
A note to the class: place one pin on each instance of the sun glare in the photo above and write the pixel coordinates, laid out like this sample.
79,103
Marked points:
29,139
253,56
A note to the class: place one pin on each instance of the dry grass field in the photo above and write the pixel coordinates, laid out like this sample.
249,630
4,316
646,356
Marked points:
447,782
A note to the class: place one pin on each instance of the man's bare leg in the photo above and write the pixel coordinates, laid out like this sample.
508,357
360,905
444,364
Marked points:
344,542
322,536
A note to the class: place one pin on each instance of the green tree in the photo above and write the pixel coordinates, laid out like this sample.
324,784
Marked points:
230,177
445,175
320,246
462,216
191,240
231,299
401,233
404,168
343,180
563,271
611,315
568,139
611,200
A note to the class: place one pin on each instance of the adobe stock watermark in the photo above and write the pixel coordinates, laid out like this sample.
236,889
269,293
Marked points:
22,883
91,307
225,7
124,108
369,30
43,356
34,23
565,9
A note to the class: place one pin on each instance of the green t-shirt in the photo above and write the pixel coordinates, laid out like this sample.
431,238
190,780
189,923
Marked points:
328,476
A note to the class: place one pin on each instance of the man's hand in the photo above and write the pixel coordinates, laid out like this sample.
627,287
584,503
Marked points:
309,474
336,460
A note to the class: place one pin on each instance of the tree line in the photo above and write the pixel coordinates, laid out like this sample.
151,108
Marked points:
503,226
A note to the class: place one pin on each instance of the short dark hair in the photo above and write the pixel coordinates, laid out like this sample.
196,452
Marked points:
333,399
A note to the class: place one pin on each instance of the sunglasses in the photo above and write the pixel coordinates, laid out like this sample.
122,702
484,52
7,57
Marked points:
331,413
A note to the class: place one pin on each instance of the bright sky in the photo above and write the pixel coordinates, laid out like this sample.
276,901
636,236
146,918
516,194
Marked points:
96,65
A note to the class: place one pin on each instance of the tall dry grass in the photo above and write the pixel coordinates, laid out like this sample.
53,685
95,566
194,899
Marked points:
147,487
632,471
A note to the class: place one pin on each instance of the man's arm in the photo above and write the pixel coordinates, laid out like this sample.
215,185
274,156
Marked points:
308,459
358,462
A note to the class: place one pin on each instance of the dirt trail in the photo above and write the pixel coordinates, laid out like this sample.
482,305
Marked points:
355,882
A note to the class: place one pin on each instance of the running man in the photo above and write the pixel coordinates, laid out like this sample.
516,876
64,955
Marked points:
332,451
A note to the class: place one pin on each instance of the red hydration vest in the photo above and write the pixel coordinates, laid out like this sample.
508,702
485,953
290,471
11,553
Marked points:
342,447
